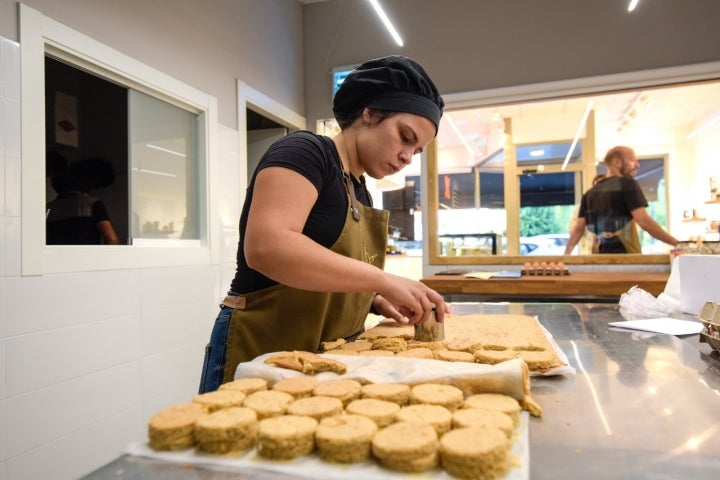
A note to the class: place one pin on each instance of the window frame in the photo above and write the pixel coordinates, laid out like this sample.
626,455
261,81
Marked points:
40,35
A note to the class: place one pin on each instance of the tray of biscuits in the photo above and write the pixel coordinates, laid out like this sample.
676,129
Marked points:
362,423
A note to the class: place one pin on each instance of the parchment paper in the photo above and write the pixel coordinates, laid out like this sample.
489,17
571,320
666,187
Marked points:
510,377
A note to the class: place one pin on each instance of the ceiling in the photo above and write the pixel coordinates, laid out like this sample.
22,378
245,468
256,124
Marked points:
650,120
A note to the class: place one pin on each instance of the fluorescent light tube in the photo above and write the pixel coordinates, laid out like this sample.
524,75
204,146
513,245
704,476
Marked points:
386,21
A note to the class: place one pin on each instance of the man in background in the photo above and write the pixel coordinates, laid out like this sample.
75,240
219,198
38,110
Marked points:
615,206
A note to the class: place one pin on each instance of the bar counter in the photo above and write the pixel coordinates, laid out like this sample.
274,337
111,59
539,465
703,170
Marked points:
577,285
640,406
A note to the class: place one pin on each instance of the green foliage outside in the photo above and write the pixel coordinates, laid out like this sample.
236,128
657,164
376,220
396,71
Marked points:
542,220
556,218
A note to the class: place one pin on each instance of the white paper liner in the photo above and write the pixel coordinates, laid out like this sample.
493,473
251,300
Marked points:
311,466
507,377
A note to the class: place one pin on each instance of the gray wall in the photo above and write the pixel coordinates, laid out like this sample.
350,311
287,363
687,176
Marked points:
469,45
207,44
278,46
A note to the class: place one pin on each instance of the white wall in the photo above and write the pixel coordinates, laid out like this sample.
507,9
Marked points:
93,355
87,358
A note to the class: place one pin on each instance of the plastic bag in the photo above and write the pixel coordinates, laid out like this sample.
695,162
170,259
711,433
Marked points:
637,303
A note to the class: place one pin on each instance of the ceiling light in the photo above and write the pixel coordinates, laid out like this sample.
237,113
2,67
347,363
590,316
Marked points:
633,4
539,152
386,21
577,134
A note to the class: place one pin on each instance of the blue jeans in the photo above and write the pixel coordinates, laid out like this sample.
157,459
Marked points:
215,352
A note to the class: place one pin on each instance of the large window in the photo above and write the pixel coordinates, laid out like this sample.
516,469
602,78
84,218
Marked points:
142,141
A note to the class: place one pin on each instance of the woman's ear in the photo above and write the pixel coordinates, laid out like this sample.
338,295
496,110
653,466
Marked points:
367,116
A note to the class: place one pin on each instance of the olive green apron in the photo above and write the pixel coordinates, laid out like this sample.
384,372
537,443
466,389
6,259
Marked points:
281,318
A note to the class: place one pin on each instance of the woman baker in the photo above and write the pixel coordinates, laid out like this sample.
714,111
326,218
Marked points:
312,249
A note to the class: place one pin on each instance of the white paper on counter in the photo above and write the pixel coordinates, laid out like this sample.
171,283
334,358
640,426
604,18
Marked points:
311,466
669,326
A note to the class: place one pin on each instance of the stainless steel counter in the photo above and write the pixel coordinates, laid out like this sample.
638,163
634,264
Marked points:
641,406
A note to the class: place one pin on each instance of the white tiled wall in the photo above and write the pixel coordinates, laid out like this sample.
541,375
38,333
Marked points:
9,210
86,358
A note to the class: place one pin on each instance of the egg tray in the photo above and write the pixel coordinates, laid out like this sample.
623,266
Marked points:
545,271
710,318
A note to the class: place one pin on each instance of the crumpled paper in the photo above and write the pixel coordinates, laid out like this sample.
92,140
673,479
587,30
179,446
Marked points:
637,303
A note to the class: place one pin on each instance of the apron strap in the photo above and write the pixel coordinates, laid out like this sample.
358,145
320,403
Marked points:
353,200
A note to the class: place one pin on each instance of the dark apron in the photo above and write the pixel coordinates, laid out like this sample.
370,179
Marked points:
282,318
625,240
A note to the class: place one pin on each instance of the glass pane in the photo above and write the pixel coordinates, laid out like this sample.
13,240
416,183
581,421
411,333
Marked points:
164,169
547,203
471,214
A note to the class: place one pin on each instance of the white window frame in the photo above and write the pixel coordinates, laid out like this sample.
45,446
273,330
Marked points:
40,34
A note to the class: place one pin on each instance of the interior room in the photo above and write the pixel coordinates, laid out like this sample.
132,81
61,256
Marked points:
182,98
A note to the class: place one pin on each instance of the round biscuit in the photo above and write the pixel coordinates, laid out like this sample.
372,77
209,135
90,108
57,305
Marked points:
172,428
345,390
438,417
218,399
477,452
477,417
448,396
495,401
382,412
286,436
392,392
228,429
404,441
246,385
345,438
317,407
268,403
297,386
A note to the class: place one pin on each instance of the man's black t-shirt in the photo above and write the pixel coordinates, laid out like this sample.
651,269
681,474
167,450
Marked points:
314,157
606,207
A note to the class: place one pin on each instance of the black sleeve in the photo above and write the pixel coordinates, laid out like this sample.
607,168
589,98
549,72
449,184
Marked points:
634,197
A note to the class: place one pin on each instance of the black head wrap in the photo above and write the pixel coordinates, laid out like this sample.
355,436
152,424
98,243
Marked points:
392,83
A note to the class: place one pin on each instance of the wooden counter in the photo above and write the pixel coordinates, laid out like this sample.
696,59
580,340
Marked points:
575,285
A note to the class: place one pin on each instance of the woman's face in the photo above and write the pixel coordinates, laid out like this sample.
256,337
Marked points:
387,147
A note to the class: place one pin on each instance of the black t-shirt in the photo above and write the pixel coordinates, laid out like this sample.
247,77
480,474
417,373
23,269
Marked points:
606,207
314,157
